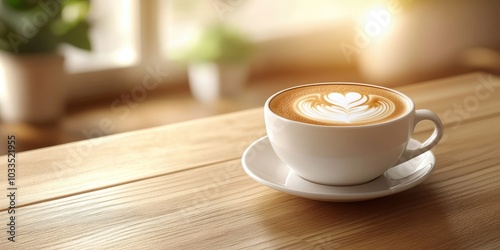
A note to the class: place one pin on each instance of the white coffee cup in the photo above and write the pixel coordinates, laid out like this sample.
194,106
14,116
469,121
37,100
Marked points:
347,155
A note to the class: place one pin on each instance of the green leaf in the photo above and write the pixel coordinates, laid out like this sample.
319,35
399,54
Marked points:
21,5
75,11
78,36
43,42
23,31
59,27
6,37
222,44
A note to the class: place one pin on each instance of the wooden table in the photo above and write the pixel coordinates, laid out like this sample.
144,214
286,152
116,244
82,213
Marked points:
182,186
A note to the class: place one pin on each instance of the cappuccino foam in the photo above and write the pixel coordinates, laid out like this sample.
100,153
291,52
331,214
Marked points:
339,104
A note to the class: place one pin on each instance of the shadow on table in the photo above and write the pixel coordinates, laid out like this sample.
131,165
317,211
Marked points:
413,218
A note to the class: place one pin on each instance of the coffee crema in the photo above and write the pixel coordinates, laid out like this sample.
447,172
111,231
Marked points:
339,104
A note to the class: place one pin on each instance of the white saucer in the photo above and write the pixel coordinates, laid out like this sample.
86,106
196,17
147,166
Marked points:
261,163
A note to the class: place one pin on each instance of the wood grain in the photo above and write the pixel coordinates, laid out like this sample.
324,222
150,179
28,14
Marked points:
182,187
220,207
114,160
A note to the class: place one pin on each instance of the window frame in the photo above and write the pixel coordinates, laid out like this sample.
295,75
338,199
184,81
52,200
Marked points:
92,84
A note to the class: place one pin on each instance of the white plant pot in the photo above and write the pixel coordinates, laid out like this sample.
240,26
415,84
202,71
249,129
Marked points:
31,87
211,81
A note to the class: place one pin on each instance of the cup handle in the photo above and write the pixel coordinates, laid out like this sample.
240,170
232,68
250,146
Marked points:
420,115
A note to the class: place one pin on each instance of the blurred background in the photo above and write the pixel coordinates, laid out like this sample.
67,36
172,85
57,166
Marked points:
77,69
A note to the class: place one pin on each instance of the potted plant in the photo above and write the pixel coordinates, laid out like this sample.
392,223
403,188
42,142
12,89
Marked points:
31,70
218,63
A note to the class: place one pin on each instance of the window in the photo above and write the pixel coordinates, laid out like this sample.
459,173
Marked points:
261,19
114,38
129,35
123,46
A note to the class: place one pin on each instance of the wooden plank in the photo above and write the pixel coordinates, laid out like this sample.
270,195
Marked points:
457,100
220,207
107,161
114,160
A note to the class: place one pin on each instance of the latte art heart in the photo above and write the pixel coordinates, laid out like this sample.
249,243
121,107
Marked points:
349,108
